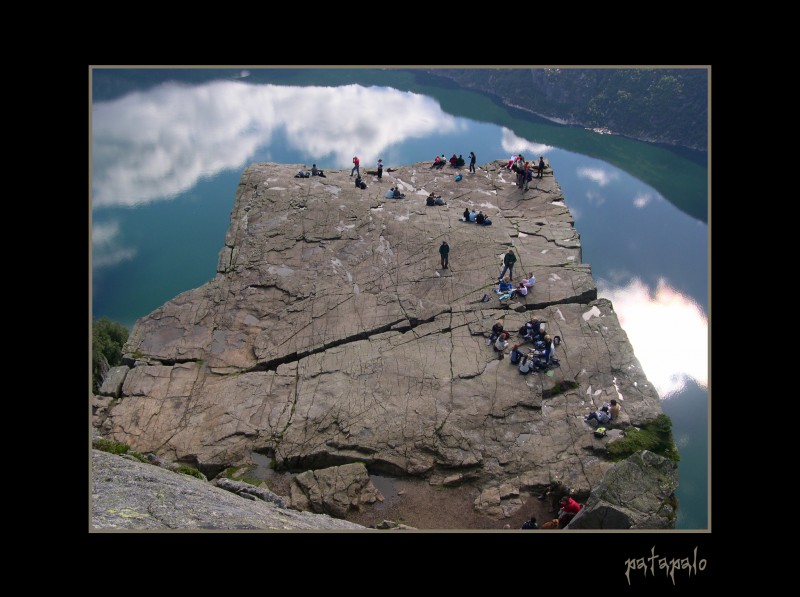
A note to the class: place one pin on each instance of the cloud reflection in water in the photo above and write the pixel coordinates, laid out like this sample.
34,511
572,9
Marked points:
516,145
157,144
668,329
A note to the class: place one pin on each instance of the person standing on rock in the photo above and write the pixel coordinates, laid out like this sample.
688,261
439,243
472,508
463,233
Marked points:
355,169
444,252
380,169
508,264
540,167
472,161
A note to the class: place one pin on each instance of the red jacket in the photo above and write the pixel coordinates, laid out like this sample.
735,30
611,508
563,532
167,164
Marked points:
571,506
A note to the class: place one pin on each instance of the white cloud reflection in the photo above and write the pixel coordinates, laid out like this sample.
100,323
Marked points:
599,175
668,332
106,251
156,144
642,199
516,145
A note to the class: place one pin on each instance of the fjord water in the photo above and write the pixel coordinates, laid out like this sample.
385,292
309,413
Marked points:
168,149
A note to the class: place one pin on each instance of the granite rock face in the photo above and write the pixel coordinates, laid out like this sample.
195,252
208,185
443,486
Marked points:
330,335
129,495
636,493
334,490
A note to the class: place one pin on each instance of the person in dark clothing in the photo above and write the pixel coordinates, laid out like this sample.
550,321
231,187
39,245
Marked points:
380,169
460,161
530,524
540,167
508,264
444,252
480,218
466,214
472,161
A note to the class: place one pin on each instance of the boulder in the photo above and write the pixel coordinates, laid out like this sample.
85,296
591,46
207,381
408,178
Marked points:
636,493
113,380
334,490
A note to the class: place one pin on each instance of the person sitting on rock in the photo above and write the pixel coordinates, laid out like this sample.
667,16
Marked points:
396,194
530,280
529,524
505,286
533,330
472,216
501,343
453,161
480,218
543,357
602,416
525,365
614,410
569,508
435,162
516,355
466,214
316,171
497,329
460,163
521,290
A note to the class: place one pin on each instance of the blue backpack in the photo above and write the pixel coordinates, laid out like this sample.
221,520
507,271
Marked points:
458,177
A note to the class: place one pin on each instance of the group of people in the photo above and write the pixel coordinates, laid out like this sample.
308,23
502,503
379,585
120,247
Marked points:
434,199
477,218
455,162
506,289
524,170
394,193
607,413
538,358
567,509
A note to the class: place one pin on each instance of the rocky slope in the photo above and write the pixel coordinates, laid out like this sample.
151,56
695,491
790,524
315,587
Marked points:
330,335
129,495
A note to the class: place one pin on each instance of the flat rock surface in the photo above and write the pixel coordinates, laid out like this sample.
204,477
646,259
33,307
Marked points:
330,335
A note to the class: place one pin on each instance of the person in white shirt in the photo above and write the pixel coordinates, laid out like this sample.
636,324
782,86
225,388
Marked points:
521,290
530,281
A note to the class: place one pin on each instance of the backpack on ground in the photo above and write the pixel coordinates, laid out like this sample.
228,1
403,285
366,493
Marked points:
600,432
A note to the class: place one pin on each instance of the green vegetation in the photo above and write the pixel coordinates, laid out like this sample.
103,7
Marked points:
236,473
108,337
106,445
655,436
190,470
